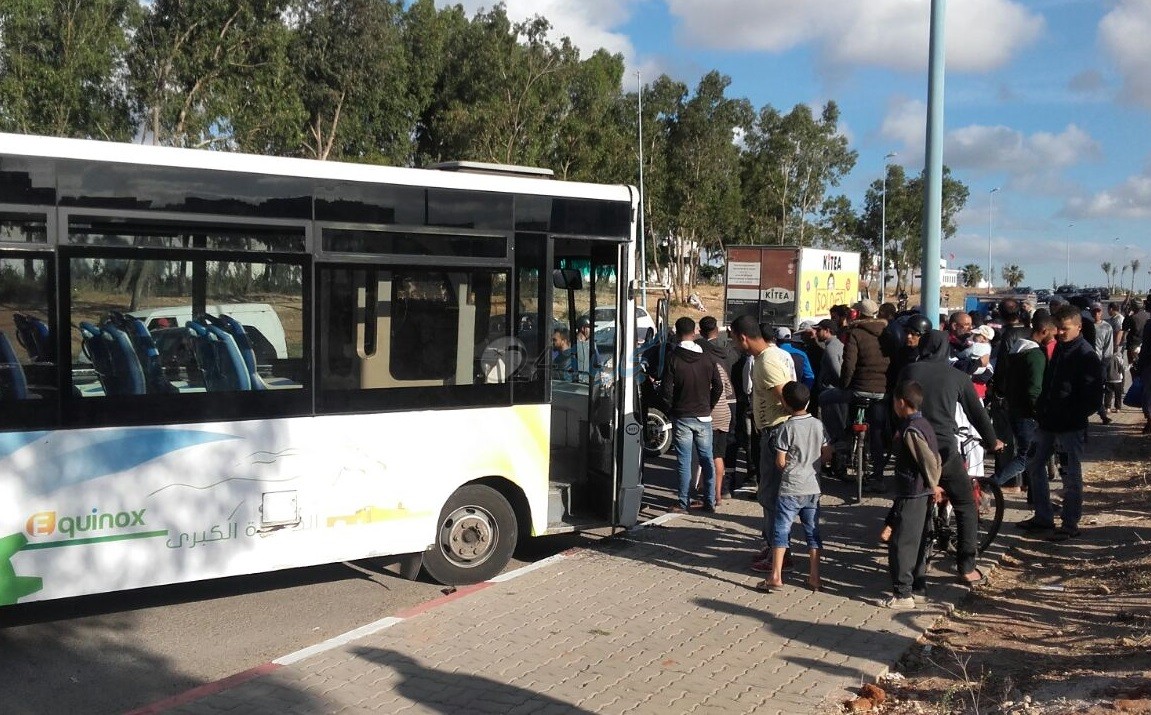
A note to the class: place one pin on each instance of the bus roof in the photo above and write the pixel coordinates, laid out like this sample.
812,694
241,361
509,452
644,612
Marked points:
30,145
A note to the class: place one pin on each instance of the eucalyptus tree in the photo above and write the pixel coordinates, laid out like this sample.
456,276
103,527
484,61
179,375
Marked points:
904,218
788,164
703,183
352,64
192,60
62,66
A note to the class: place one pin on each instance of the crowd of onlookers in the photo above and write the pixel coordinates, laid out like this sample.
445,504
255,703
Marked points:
1022,382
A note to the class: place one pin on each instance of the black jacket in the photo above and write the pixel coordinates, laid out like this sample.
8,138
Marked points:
1072,387
691,383
943,388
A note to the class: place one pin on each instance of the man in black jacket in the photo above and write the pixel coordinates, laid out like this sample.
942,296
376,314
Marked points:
943,388
692,386
1072,391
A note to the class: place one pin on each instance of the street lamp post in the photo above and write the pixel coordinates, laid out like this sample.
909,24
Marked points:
1067,271
883,232
990,209
642,238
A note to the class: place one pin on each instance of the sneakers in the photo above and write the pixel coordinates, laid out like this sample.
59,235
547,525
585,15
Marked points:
900,604
1034,524
1064,533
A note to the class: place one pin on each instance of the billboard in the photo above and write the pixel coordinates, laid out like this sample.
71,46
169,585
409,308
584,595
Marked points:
826,278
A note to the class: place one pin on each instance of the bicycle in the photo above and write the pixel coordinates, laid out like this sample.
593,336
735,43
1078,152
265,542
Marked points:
858,454
943,532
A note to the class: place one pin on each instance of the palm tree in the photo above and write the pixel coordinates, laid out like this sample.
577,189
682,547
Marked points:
1013,275
972,275
1106,266
1134,268
1123,275
1114,272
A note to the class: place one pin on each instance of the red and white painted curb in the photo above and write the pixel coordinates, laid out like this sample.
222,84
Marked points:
364,631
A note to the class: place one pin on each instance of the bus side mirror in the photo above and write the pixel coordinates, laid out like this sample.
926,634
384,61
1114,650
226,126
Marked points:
567,279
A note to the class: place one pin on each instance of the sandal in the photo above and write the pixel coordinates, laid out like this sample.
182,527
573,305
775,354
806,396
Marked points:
973,582
766,587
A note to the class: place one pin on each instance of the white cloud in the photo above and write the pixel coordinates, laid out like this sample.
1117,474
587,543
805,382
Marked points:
992,149
589,23
1003,149
1129,200
906,122
982,35
1124,32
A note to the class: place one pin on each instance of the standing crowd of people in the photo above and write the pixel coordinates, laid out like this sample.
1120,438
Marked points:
1021,383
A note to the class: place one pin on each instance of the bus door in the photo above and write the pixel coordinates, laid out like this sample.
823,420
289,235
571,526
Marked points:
586,386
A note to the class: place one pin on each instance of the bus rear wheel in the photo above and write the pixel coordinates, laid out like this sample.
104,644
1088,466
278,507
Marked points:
475,537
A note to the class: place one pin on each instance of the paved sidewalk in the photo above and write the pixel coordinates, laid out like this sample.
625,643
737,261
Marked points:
662,620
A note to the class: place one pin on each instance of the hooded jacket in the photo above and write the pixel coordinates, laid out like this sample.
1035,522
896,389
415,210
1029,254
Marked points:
943,388
691,383
1024,363
1072,387
864,364
725,357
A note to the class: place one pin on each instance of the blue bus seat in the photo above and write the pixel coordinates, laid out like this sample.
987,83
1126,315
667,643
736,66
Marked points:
146,352
13,383
247,351
114,359
35,337
219,358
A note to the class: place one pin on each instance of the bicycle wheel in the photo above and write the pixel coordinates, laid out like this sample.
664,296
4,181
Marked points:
940,531
989,502
859,461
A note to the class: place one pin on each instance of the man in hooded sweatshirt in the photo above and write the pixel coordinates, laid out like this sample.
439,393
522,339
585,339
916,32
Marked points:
1020,383
692,386
944,387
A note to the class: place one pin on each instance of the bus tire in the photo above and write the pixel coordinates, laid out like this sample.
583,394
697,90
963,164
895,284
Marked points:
475,537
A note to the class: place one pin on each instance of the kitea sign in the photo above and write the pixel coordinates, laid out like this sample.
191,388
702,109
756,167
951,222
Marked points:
786,285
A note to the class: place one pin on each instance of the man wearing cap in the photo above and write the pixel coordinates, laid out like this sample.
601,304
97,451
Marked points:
864,374
586,356
805,338
803,369
1105,349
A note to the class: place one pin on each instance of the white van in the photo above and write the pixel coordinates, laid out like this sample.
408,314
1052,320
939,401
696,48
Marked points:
259,320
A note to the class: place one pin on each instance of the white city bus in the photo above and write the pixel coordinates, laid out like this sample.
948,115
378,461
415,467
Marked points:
396,379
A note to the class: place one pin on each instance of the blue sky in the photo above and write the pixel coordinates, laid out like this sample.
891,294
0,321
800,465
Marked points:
1046,100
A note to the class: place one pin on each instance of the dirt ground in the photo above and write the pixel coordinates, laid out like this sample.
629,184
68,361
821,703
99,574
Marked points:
1060,628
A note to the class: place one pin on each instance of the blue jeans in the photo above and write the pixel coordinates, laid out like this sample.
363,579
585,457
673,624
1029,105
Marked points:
1024,432
1072,445
692,433
786,509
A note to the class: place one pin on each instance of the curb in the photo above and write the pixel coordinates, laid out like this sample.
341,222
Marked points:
238,679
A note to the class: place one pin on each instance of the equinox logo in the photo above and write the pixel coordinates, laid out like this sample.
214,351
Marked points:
45,523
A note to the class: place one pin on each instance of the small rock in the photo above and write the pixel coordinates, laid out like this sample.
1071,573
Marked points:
1133,706
874,693
1027,699
859,705
1102,589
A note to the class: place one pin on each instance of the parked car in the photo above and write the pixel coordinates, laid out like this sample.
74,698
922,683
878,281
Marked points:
644,325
